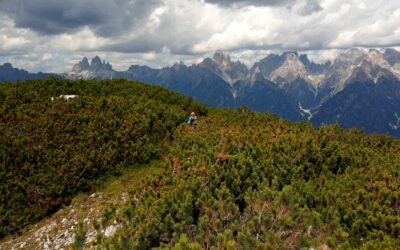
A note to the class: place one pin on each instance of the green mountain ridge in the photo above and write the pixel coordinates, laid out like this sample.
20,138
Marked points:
52,149
237,180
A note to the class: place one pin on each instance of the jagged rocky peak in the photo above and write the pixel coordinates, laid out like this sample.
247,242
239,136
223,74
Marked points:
355,52
96,62
221,59
291,68
350,57
7,66
358,65
355,56
95,65
291,54
376,57
266,66
287,67
85,63
343,66
392,56
223,66
81,66
312,67
225,60
304,59
178,65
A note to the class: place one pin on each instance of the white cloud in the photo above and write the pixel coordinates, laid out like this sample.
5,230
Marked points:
338,24
322,56
14,40
171,30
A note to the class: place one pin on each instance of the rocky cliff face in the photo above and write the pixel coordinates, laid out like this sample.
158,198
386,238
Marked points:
392,56
96,69
81,66
345,66
222,65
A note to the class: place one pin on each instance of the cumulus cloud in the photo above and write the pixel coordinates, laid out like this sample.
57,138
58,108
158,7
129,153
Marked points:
14,41
175,26
156,32
106,18
319,25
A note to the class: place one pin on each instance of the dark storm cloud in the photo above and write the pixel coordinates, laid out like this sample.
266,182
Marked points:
138,45
250,2
311,7
168,34
104,17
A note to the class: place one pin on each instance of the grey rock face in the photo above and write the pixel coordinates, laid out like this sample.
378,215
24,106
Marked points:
392,56
97,69
81,66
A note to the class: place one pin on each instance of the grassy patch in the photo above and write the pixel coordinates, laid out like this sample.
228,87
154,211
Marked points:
128,178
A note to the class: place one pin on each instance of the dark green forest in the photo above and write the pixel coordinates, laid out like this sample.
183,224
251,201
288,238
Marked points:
236,180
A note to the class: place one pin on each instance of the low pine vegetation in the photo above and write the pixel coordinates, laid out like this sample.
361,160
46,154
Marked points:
53,148
244,180
236,180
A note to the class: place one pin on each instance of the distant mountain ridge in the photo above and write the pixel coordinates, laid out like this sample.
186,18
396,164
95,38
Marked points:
9,73
290,85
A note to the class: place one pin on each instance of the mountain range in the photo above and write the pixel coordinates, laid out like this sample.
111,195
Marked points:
9,73
359,88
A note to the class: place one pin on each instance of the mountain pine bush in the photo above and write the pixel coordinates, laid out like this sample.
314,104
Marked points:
52,149
244,180
237,180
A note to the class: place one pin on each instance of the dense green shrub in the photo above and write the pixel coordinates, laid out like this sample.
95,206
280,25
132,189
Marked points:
52,149
237,180
243,180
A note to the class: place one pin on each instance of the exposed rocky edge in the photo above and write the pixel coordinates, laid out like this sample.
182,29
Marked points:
87,220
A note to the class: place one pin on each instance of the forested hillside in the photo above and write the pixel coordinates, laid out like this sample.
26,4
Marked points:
236,180
51,148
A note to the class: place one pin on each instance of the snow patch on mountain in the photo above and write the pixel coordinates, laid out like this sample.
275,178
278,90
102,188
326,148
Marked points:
306,112
315,80
396,124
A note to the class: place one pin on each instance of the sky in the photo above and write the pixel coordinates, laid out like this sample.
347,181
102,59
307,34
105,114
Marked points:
52,35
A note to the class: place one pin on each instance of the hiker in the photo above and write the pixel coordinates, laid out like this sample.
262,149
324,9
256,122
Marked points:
192,119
